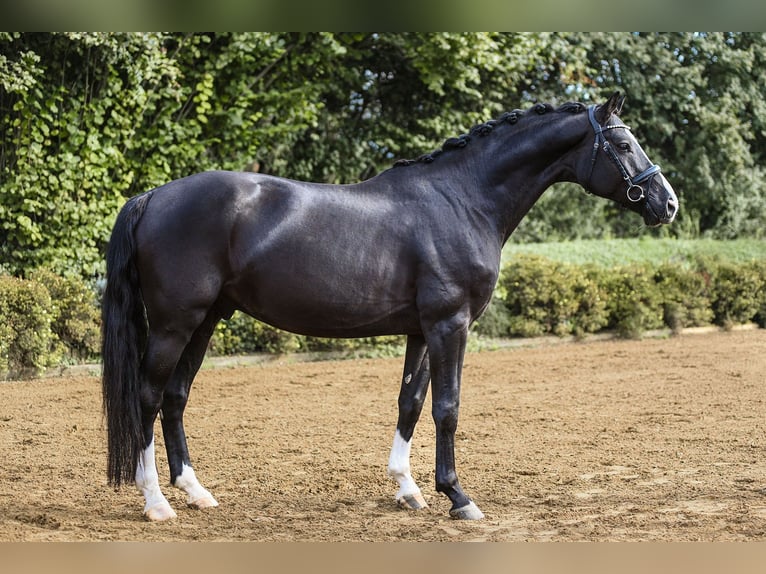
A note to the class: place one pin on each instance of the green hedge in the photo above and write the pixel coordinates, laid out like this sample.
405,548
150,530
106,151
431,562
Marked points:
537,296
540,296
543,296
26,315
242,335
45,320
737,292
77,321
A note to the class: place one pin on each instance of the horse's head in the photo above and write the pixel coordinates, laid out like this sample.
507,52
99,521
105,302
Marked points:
617,168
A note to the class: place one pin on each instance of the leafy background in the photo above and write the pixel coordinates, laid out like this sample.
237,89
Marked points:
89,119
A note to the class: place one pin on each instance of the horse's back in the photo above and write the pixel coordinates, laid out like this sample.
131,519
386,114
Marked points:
317,259
324,260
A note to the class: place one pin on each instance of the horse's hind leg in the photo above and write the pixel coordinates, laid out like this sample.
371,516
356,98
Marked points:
174,402
162,353
411,397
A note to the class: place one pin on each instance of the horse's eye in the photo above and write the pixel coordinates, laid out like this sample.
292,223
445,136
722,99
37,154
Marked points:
624,146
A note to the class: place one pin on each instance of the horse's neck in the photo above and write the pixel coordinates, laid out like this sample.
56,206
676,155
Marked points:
526,163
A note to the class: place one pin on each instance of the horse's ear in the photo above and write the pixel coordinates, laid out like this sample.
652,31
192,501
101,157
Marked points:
613,106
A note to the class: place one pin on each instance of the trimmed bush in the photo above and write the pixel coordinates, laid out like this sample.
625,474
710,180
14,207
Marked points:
685,296
27,342
549,297
495,322
242,334
47,319
592,312
736,291
77,324
542,296
634,301
760,315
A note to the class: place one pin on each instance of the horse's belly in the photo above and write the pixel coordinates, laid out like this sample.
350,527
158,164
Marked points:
326,302
320,317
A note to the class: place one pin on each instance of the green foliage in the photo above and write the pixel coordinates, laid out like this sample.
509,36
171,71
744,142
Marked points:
242,334
736,291
543,296
685,296
634,301
495,322
400,94
88,119
67,133
695,104
46,320
77,323
27,343
759,267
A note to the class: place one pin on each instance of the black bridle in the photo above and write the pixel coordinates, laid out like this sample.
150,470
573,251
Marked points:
634,191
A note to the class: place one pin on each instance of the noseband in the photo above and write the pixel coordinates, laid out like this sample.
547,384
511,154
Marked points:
635,191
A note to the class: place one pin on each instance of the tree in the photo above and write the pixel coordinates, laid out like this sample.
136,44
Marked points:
395,95
695,100
88,119
70,108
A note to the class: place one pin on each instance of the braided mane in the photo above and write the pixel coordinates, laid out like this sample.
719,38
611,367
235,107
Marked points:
487,128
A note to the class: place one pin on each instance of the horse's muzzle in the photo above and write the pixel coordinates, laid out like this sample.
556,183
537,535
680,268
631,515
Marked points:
671,209
661,206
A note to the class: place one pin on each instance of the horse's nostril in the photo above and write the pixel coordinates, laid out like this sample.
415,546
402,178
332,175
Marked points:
671,208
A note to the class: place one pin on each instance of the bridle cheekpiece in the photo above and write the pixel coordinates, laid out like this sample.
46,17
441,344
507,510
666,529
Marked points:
634,192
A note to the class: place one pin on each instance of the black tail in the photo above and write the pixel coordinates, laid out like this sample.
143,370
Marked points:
124,334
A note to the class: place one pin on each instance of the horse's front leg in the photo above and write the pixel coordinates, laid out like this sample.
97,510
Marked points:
446,348
411,396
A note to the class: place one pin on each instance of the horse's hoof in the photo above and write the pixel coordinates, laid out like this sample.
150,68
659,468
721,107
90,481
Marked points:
204,502
412,501
468,512
159,512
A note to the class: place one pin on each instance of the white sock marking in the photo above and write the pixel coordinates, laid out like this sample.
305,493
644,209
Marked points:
399,467
148,482
187,481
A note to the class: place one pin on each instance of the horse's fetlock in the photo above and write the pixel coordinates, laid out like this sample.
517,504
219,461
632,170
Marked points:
447,482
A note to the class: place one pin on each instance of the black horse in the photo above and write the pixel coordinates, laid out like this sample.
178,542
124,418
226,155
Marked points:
414,250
